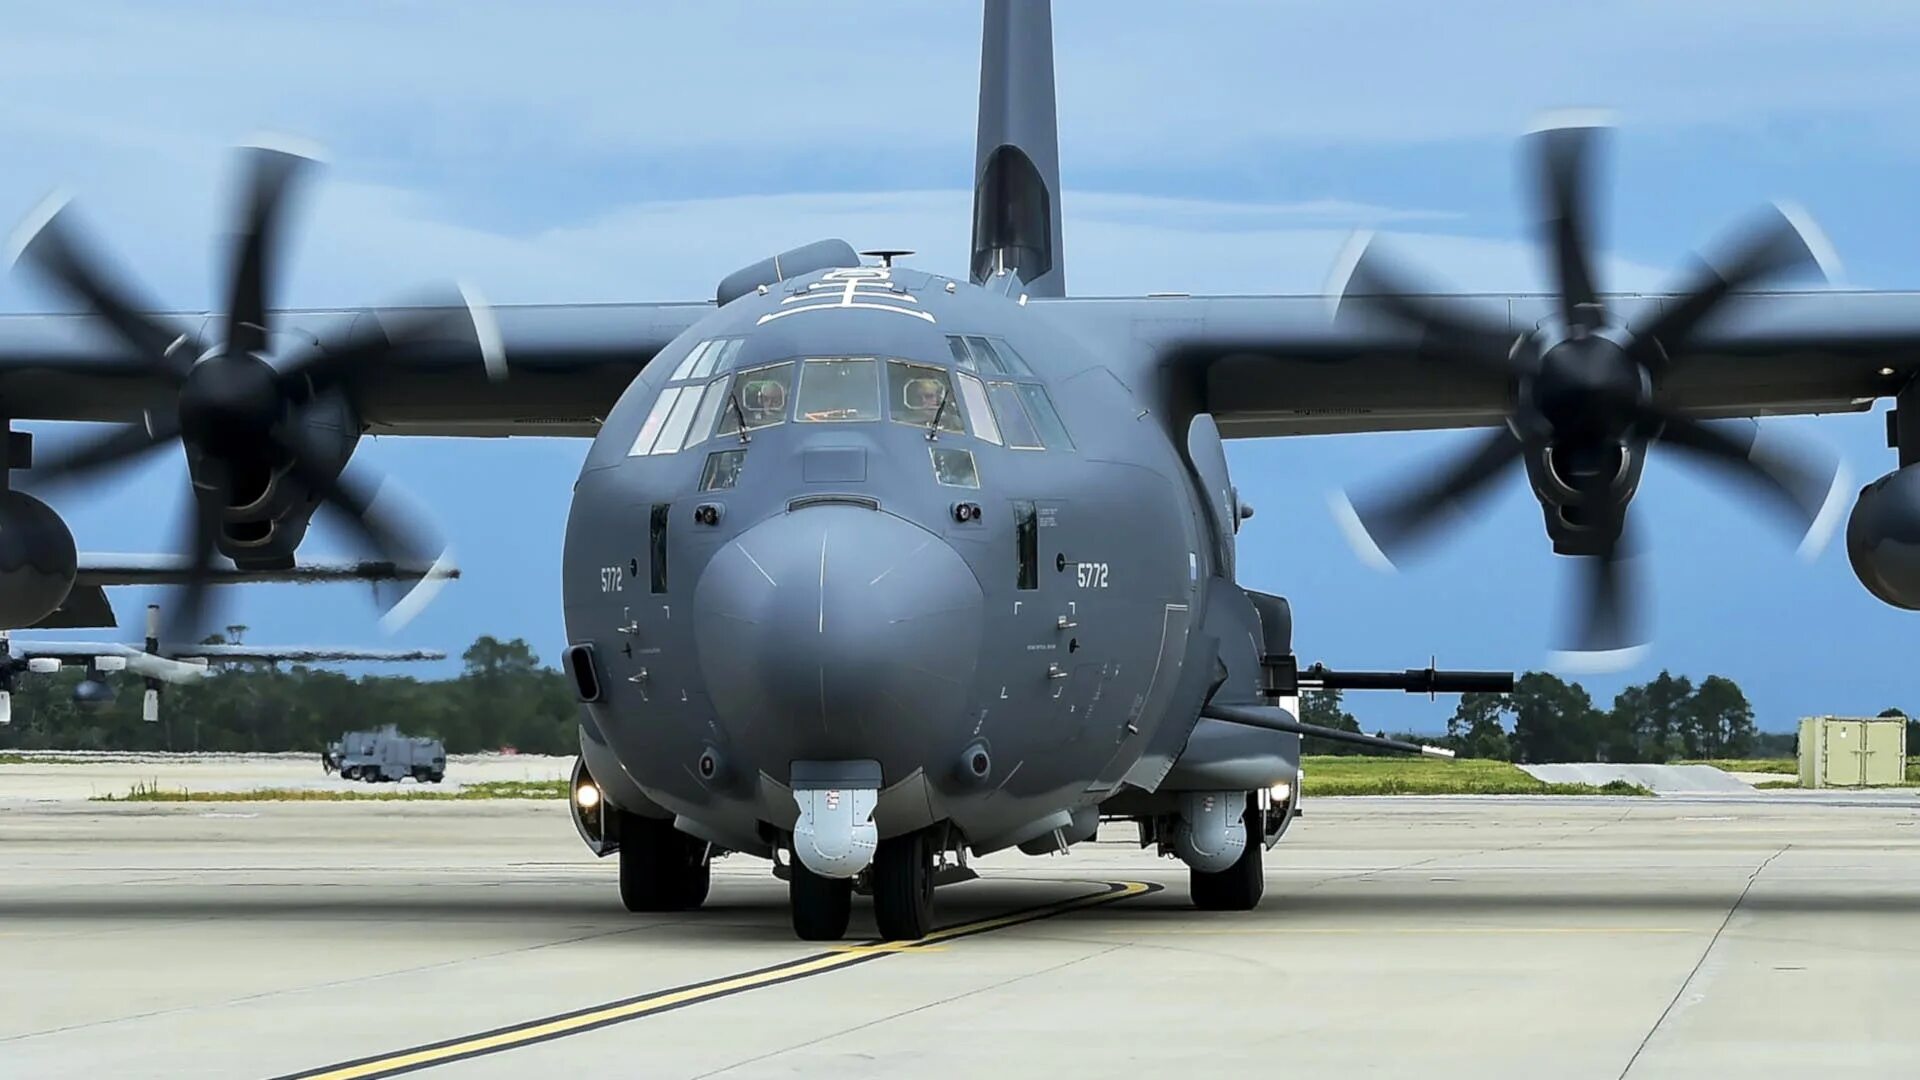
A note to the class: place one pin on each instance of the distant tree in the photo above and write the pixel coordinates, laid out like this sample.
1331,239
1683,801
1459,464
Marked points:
1655,721
1474,730
1553,720
1721,720
1322,708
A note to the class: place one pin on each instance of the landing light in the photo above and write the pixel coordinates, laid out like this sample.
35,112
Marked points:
587,796
1281,791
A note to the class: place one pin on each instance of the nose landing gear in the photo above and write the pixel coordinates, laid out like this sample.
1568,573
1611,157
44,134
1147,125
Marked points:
822,906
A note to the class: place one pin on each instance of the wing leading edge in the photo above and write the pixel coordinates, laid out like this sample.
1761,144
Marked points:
1286,365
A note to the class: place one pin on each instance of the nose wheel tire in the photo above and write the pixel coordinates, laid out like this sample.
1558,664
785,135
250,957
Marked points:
822,906
661,868
902,878
1238,887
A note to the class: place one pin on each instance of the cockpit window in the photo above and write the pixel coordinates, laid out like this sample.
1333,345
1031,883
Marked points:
955,468
711,403
759,398
961,354
974,395
838,390
1014,424
917,394
1040,410
716,354
679,419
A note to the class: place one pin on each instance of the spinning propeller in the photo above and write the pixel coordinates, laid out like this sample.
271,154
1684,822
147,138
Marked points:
240,401
1584,403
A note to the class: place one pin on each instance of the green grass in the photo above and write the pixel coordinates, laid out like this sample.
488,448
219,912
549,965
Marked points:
1783,766
1771,785
494,789
11,758
1347,775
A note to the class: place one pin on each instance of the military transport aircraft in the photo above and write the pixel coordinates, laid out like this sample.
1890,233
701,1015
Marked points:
158,665
870,569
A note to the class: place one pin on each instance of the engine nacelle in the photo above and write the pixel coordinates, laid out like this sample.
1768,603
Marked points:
1883,538
268,509
37,560
93,693
1555,474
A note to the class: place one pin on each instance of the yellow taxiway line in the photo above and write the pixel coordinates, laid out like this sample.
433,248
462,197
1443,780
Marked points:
573,1023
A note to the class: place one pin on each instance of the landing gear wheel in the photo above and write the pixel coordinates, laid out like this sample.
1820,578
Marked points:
902,878
822,906
661,868
1238,887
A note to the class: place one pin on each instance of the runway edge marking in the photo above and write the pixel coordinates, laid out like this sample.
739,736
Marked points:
593,1017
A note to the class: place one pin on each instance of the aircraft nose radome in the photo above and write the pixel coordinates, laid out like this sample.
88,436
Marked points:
839,631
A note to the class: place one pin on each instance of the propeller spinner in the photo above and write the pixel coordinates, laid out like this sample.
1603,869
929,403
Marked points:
239,404
1585,407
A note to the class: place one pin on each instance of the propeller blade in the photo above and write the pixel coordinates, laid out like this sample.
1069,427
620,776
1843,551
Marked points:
202,532
48,242
122,444
270,176
1808,488
1781,242
1382,529
377,523
1372,282
1605,633
462,321
1564,157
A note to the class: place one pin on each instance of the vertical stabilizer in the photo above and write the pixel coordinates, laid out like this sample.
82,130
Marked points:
1016,175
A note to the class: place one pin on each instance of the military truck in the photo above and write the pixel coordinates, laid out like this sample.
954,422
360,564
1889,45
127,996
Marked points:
386,755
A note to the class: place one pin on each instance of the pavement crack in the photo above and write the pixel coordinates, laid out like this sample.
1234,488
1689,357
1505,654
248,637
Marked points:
1700,963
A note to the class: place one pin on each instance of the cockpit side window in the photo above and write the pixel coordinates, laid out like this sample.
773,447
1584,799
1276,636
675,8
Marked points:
1014,424
917,394
838,391
974,394
1040,409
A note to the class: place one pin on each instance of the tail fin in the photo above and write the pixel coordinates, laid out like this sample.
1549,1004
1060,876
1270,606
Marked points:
1016,194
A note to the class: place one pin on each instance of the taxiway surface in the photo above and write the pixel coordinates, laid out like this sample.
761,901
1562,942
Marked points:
1424,938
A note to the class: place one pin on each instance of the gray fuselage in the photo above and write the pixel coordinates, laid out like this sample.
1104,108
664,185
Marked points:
837,603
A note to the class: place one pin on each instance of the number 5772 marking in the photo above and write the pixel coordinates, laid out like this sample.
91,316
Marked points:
1091,575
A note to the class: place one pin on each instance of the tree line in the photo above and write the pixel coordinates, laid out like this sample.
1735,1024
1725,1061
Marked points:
503,697
1668,718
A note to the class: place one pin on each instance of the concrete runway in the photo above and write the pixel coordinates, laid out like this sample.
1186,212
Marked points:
52,776
1420,938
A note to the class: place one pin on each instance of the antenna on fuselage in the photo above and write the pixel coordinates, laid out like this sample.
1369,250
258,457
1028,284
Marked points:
887,255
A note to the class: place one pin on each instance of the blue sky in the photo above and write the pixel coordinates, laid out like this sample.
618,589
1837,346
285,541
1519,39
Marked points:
615,151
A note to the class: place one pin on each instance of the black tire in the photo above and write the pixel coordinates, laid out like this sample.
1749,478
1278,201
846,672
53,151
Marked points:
661,868
822,906
902,878
436,777
1238,887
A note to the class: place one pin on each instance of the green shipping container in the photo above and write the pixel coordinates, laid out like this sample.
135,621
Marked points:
1849,752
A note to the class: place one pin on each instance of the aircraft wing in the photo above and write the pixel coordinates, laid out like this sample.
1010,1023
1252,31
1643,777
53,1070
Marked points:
1263,365
116,654
109,568
227,654
1284,365
565,367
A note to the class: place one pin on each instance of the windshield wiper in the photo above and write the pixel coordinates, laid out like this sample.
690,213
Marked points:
933,426
733,403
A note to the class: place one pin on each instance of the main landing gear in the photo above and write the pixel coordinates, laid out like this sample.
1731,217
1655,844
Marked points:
661,868
901,880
